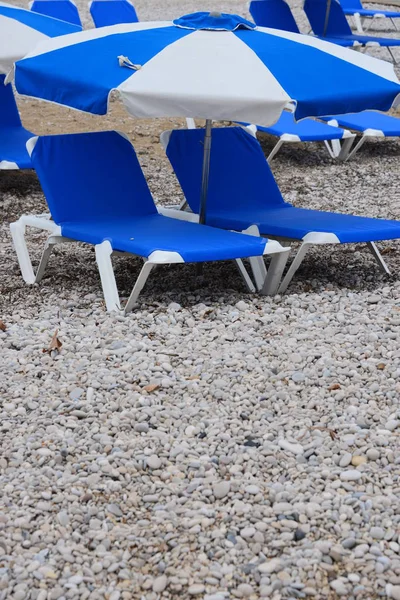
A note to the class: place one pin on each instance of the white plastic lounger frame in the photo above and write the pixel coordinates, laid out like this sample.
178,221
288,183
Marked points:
318,238
269,284
7,165
336,148
367,133
260,273
267,280
360,21
103,259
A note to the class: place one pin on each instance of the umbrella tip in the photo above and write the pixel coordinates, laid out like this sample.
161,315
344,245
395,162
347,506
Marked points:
215,13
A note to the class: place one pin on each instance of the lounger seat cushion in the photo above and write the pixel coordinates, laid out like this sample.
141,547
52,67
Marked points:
363,39
369,119
144,235
307,130
295,223
343,40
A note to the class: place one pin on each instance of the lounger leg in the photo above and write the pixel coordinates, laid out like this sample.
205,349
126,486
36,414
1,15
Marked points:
392,55
50,242
275,272
103,258
357,21
296,262
369,23
257,262
346,148
356,148
246,277
259,270
333,147
274,150
140,282
378,257
21,249
394,24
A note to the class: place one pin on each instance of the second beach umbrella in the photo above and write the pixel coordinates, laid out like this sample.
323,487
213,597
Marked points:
21,30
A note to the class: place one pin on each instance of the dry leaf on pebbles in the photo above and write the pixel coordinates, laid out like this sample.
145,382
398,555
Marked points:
152,387
55,344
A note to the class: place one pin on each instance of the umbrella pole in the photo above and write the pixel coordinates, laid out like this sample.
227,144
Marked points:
206,171
204,181
328,10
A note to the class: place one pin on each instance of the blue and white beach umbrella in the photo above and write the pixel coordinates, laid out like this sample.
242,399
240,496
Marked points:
21,30
206,65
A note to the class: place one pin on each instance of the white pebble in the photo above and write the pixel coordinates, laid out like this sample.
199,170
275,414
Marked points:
350,475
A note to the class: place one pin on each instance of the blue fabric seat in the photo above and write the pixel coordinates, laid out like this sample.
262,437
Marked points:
65,10
369,119
338,141
243,192
97,194
338,30
13,137
153,232
367,124
112,12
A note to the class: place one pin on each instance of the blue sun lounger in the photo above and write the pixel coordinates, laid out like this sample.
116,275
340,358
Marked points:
338,141
273,13
65,10
355,9
13,137
112,12
338,30
97,194
368,124
243,193
277,14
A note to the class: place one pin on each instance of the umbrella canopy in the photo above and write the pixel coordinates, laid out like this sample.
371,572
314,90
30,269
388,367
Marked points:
205,65
21,30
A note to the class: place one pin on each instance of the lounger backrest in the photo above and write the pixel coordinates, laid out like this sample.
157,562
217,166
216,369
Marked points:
65,10
240,177
351,4
112,12
91,176
9,115
273,13
337,22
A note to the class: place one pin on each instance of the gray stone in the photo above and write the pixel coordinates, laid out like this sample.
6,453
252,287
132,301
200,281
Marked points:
221,489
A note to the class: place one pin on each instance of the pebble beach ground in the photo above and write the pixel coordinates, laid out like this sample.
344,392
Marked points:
212,444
